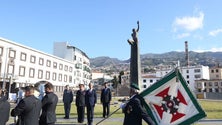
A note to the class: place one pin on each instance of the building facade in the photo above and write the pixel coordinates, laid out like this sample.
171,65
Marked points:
21,66
192,73
211,88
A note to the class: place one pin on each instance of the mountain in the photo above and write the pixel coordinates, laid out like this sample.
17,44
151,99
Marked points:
168,58
104,61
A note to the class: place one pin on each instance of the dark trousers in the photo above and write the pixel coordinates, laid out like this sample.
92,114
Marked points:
90,114
67,107
81,113
106,107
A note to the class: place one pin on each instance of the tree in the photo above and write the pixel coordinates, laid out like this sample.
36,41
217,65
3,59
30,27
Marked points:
120,75
115,82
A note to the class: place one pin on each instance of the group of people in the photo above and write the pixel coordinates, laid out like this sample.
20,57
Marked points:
30,110
88,99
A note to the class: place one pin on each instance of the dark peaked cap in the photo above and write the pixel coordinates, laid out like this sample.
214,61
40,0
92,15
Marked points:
134,86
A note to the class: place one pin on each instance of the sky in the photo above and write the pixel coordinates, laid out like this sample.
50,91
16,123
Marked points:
102,27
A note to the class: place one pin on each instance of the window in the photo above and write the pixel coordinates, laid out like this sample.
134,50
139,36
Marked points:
65,78
196,70
197,76
41,61
210,83
32,59
1,50
48,63
144,81
199,85
54,65
66,68
40,74
151,81
216,84
60,66
12,53
188,82
31,72
70,69
144,86
74,57
187,76
21,71
216,90
187,71
47,76
23,56
70,79
212,71
217,70
10,69
60,77
54,76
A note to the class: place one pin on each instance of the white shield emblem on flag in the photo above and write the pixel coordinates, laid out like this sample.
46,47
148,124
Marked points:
170,102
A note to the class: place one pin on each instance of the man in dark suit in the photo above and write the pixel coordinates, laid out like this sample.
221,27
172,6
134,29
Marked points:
105,98
90,100
80,103
134,110
28,109
4,108
67,100
49,102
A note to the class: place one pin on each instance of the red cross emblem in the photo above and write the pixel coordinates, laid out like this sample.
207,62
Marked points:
170,104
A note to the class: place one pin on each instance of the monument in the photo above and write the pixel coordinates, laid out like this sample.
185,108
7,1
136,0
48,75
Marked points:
135,64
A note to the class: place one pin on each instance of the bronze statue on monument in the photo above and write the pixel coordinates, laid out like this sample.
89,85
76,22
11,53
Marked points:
135,66
134,35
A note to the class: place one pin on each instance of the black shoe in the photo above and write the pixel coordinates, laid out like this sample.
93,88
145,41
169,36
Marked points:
66,117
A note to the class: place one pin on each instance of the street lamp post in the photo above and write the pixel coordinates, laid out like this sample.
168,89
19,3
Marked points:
6,57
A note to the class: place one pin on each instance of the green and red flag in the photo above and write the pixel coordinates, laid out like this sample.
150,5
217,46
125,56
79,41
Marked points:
170,101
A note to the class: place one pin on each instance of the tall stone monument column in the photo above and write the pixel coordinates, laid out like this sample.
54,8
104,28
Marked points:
135,64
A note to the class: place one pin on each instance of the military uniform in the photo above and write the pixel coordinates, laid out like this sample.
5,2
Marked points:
134,110
80,104
91,99
28,111
67,100
4,109
105,98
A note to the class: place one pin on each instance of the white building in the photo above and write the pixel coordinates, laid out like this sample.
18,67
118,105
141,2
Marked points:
148,80
27,66
192,73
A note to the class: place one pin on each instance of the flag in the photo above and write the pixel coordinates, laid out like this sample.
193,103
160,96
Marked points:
170,102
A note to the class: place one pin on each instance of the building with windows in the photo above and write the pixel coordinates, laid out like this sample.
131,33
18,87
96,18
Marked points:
148,80
192,73
21,66
210,88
